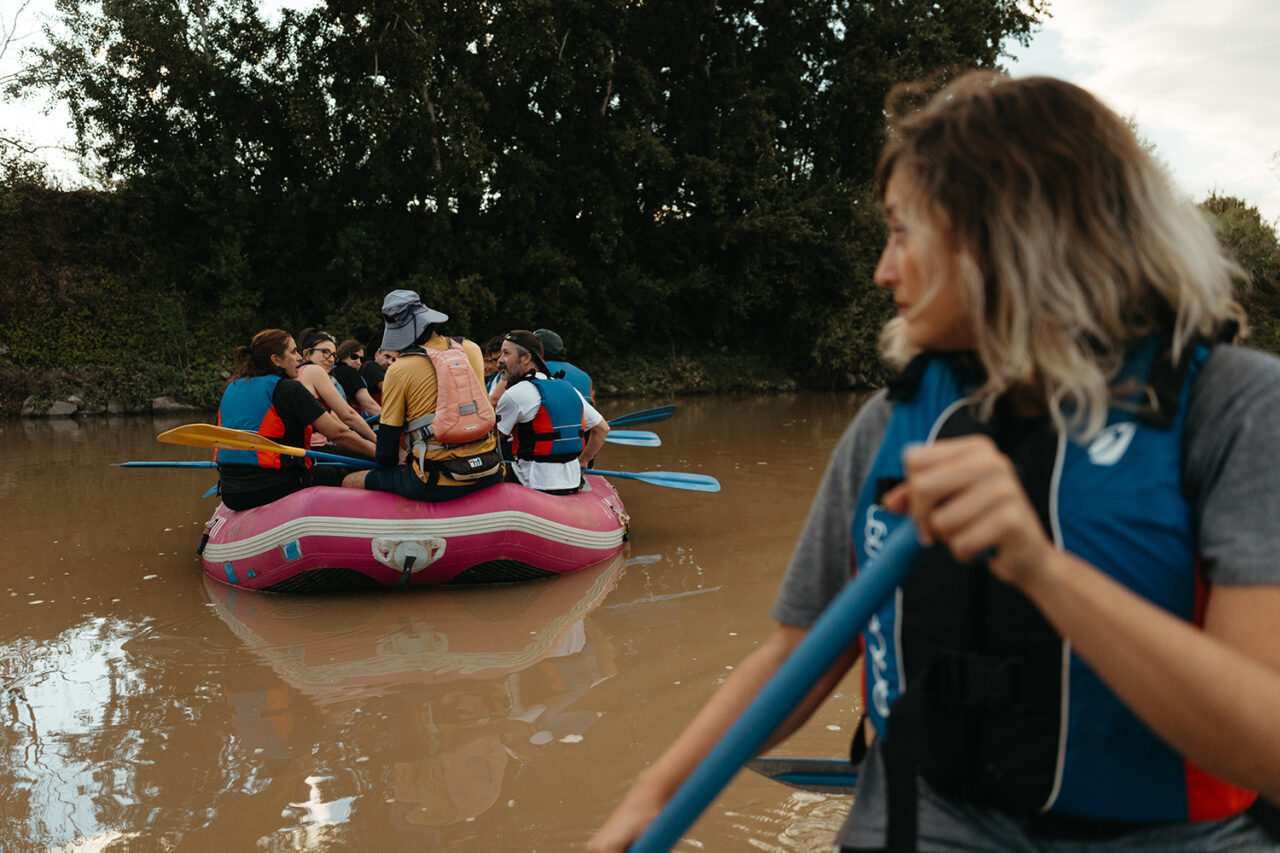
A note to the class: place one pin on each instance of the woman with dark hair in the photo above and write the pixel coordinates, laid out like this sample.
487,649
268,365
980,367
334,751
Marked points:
320,352
265,397
346,372
1087,656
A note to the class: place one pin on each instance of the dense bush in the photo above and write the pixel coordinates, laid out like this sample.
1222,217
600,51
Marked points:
1253,242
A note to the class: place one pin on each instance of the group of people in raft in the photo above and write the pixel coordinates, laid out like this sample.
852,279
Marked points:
454,418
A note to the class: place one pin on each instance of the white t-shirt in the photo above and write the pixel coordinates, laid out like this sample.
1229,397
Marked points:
518,405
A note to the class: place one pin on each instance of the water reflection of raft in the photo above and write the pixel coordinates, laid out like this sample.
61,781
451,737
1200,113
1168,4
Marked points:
476,682
323,539
371,645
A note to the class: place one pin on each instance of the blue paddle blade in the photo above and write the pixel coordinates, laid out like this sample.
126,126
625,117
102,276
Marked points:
633,437
825,775
670,479
644,416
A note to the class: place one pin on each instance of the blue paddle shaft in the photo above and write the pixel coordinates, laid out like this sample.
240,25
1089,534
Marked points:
347,461
206,464
827,639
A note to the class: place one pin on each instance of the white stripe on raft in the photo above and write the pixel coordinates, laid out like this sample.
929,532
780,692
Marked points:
502,521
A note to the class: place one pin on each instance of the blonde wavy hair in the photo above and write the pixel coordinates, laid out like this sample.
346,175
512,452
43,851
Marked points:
1067,237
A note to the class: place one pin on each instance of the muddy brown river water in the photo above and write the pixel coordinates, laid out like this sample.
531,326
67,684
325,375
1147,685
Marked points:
146,708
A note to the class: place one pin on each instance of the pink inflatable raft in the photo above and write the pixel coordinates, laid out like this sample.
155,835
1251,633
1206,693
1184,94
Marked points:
327,539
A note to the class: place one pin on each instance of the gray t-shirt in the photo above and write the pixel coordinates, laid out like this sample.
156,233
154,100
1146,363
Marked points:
1232,444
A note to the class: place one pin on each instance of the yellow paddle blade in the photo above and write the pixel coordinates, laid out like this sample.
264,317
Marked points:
222,438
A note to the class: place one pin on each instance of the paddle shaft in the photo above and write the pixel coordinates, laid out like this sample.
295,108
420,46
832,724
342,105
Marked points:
826,640
337,458
345,461
210,464
222,438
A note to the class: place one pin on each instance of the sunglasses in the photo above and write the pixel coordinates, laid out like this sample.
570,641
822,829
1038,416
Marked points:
327,353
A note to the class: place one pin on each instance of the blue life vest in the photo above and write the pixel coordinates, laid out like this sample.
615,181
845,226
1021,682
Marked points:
555,433
248,404
575,376
1004,714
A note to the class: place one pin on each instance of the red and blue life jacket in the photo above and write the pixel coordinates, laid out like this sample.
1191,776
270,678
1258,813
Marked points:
996,708
248,404
555,433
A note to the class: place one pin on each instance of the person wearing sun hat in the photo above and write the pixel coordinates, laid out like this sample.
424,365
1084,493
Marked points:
434,385
554,431
559,366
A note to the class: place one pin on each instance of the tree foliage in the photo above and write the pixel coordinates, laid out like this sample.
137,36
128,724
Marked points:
644,177
1256,248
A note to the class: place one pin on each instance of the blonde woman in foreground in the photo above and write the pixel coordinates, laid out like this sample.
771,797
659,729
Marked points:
1088,657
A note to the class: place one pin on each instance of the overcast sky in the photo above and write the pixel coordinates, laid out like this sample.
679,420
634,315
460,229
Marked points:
1199,77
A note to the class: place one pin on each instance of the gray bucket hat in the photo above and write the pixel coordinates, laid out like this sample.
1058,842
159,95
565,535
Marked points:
405,317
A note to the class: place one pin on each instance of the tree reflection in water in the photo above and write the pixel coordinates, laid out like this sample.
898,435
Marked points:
415,705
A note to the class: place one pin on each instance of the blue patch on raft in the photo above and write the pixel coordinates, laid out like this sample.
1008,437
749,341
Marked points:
292,550
231,575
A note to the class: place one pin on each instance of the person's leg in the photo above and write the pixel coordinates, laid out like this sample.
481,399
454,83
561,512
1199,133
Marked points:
260,497
448,493
402,481
317,476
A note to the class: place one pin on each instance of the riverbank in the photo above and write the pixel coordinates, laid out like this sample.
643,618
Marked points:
101,390
142,388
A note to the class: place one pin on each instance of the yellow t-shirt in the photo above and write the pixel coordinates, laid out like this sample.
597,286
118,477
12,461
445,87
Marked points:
409,392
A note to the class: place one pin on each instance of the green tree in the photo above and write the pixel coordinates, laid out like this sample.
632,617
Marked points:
1254,243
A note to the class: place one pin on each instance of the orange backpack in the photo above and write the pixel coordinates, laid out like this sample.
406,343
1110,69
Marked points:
463,412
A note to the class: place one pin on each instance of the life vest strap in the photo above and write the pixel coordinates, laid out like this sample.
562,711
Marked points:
420,423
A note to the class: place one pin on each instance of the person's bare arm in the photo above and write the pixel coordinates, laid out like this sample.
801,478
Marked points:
317,379
367,403
595,440
341,435
1212,694
659,782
